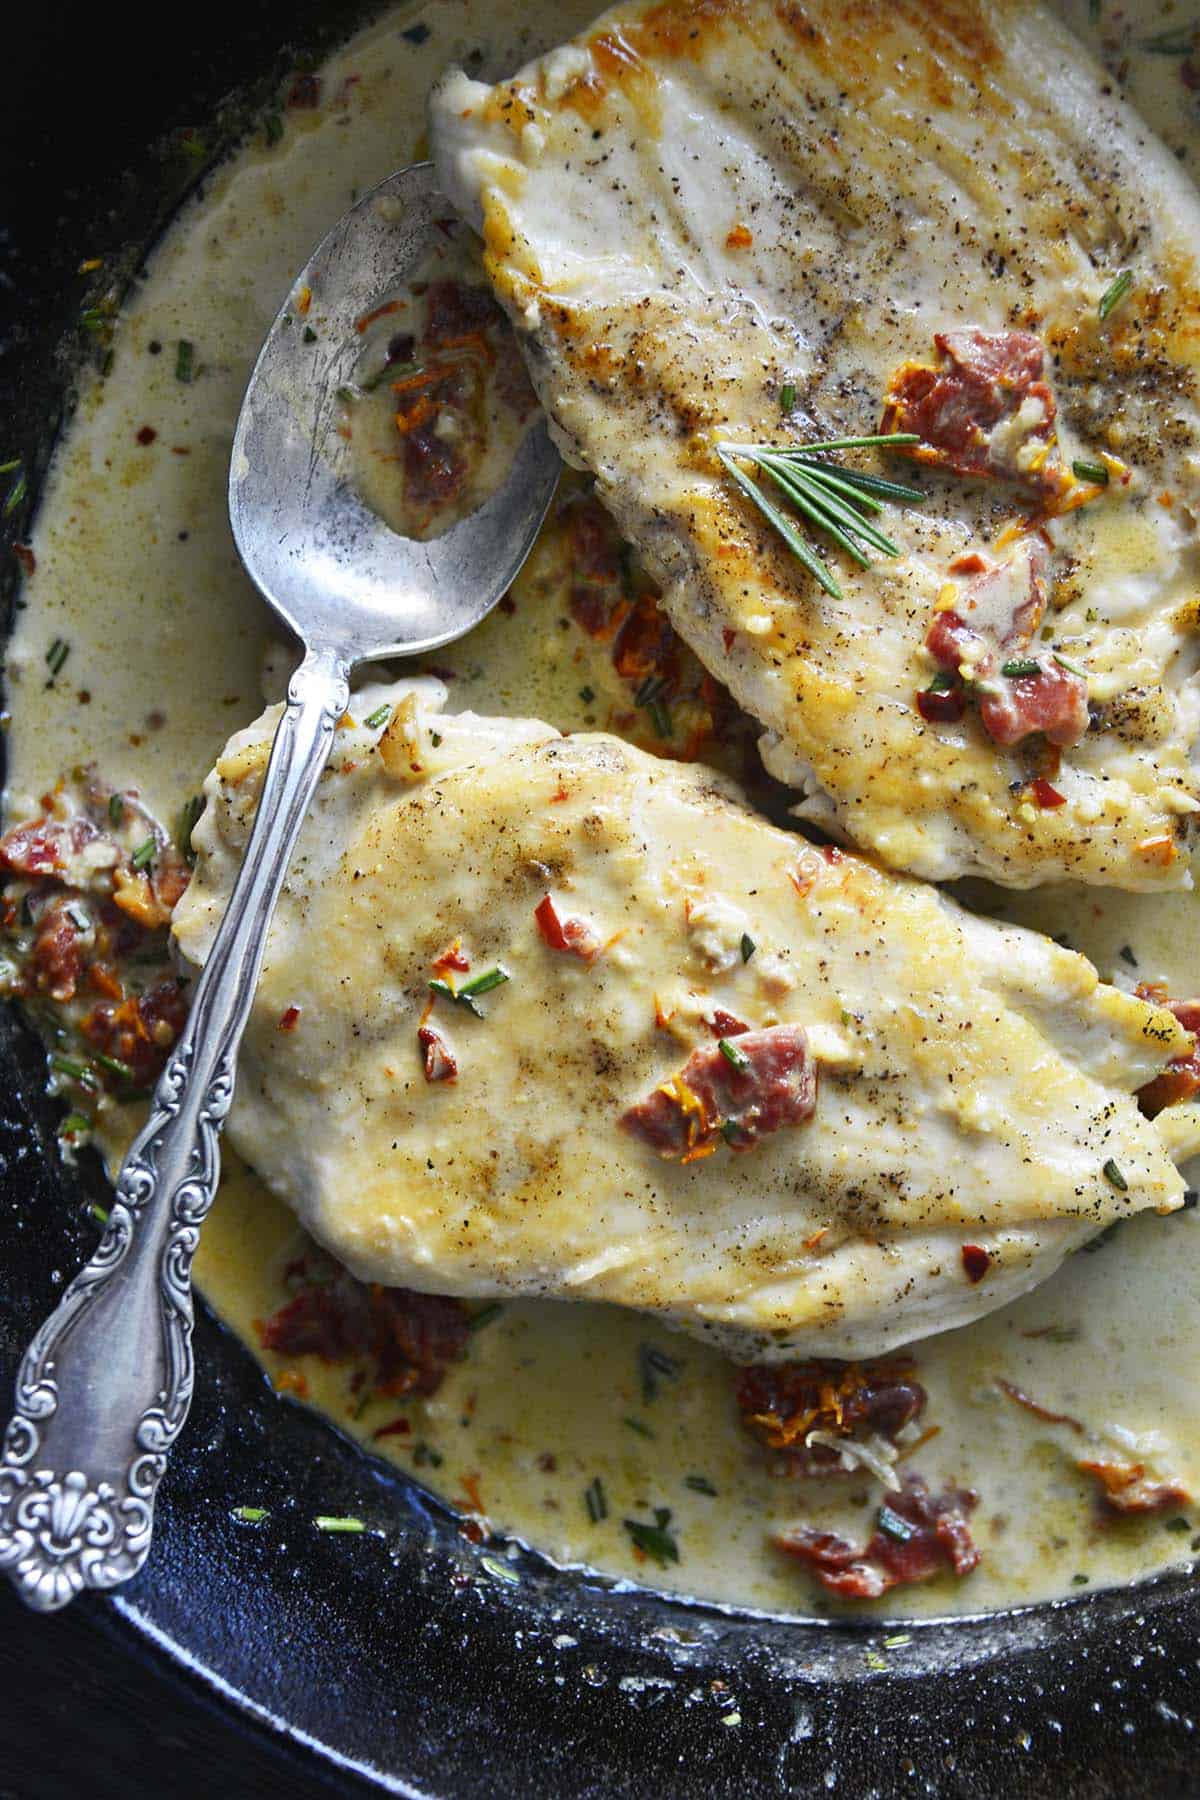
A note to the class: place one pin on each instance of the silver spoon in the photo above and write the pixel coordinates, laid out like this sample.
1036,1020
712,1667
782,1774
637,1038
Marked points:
104,1388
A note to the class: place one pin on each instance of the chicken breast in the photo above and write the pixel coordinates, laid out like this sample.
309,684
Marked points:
546,1015
728,221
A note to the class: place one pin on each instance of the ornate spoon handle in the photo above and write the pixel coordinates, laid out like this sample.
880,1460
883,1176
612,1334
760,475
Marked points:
104,1388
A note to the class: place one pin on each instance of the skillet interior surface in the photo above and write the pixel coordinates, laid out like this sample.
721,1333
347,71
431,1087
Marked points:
441,1667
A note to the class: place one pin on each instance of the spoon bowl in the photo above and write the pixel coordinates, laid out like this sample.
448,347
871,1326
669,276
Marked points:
328,564
104,1388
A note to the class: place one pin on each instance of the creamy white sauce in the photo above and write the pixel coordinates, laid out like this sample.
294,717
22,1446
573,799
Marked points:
135,567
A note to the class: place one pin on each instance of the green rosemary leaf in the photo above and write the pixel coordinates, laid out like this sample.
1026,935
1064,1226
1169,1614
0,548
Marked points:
185,365
1090,471
329,1522
787,397
143,854
1113,1175
596,1500
654,1541
374,720
1022,666
735,1057
1113,295
748,946
783,526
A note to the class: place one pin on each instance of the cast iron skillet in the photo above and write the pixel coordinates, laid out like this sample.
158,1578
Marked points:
436,1666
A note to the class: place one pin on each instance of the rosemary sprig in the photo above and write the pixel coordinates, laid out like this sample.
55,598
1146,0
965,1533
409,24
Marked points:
831,497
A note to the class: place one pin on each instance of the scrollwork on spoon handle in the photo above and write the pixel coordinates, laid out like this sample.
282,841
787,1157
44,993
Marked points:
104,1388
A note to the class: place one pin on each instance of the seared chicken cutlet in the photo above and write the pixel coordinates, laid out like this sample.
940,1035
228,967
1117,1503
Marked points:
546,1015
733,223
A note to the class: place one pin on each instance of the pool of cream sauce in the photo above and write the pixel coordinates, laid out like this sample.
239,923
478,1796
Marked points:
136,569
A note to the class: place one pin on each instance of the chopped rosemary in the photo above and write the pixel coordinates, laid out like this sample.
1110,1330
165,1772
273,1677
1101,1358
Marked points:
273,128
116,809
660,718
1071,668
833,498
1127,956
143,854
595,1500
1112,1173
6,468
185,364
1178,41
74,1123
729,1130
894,1525
485,1315
649,690
17,491
700,1484
638,1425
748,946
469,992
1090,471
374,720
57,655
1114,293
1022,666
74,1071
115,1066
310,336
190,813
787,397
330,1522
99,1213
654,1541
732,1054
250,1515
654,1366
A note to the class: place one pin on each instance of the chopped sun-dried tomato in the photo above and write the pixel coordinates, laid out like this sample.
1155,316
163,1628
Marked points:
1180,1080
984,411
1128,1487
409,1339
919,1535
766,1080
438,1060
976,1261
782,1403
573,935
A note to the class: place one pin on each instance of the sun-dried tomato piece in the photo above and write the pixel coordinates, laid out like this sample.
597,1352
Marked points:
438,1060
763,1081
782,1403
941,706
984,411
455,308
1180,1080
57,954
410,1338
1128,1487
919,1535
573,935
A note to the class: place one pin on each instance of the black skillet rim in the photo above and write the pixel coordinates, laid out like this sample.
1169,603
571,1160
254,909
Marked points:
407,1653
